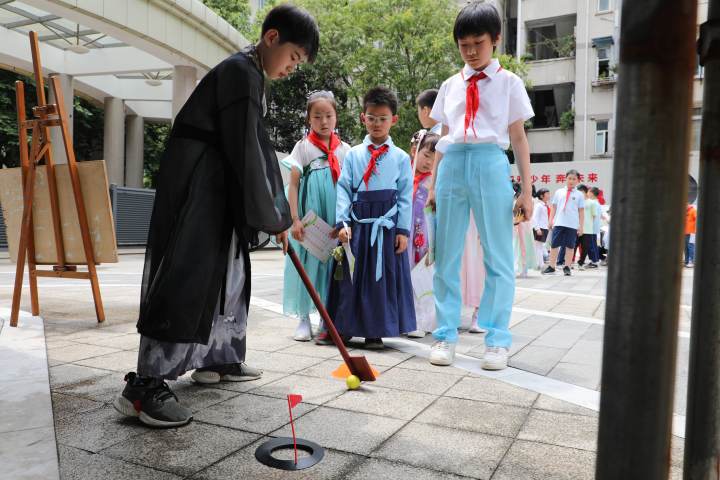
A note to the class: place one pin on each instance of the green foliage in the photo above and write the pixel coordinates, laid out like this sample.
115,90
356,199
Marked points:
567,120
235,12
562,46
406,45
156,135
88,128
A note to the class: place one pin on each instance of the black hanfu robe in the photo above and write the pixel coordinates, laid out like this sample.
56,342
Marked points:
219,180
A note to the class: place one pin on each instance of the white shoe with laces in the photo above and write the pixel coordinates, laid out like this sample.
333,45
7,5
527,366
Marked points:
442,353
416,334
495,358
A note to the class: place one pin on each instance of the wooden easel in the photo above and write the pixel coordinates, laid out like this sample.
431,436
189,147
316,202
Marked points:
46,116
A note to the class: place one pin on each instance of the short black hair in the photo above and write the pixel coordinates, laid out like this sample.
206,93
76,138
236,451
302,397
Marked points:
477,19
583,188
426,98
379,96
429,141
542,192
573,172
295,25
595,191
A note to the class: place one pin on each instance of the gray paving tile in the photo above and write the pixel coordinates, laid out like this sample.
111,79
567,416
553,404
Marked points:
537,461
242,464
101,389
546,402
130,341
252,413
488,390
81,465
68,405
422,364
280,362
123,361
309,349
537,359
269,341
198,397
314,390
344,430
326,368
182,451
267,377
378,469
76,352
383,401
414,381
563,429
64,375
563,335
585,352
582,375
447,450
387,357
97,429
534,326
482,417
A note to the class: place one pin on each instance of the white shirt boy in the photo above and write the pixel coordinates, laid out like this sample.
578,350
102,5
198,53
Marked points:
503,101
567,214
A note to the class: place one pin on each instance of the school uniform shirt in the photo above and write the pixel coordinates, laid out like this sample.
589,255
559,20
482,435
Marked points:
592,214
436,129
567,213
393,173
541,216
503,101
305,156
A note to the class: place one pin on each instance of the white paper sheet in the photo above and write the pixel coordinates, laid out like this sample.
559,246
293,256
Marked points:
317,239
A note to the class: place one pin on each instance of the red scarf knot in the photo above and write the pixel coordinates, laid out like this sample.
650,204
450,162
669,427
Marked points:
375,154
315,139
419,177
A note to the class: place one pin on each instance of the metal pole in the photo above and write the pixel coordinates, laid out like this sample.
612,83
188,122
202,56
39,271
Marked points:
702,429
657,60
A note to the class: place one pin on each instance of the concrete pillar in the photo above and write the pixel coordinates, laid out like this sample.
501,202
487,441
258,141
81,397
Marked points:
114,140
521,34
66,83
184,81
134,136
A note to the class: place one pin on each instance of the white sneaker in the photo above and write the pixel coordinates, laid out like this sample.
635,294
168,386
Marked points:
475,328
416,334
303,332
495,358
442,353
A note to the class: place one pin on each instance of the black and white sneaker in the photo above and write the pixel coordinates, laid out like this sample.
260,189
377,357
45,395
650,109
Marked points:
592,265
152,401
374,344
566,271
548,270
234,372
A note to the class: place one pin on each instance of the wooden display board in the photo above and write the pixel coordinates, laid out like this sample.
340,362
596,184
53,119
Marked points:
93,180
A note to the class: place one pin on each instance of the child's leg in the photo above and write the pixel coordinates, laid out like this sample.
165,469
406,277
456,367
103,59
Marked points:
554,256
452,224
569,253
492,204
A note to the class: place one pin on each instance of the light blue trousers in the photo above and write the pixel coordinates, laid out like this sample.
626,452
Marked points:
474,177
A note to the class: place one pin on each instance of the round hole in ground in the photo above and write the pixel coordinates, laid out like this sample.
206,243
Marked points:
289,453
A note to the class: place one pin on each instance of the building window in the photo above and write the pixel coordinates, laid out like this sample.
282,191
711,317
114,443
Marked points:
603,6
603,61
601,137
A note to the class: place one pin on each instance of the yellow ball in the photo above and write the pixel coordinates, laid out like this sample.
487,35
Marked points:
353,382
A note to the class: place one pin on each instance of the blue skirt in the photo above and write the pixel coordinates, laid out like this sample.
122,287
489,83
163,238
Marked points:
366,307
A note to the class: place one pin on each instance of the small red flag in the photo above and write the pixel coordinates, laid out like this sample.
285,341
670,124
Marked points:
294,399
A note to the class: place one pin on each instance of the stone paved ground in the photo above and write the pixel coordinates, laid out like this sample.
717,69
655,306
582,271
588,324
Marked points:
417,421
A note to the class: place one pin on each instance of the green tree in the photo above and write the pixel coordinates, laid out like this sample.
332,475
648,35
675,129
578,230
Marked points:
156,135
235,12
406,45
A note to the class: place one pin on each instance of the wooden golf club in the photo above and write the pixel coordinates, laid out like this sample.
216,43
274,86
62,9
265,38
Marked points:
358,366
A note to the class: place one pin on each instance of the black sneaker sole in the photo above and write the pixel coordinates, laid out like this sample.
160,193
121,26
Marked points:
125,407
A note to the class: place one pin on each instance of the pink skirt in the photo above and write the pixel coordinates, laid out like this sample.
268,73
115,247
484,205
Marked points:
472,275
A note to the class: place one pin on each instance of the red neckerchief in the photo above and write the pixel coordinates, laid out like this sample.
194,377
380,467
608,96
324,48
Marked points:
472,99
375,154
548,209
419,177
567,197
315,139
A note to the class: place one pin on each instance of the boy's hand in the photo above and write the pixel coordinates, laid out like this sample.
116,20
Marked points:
400,243
345,234
430,202
526,204
580,232
297,230
282,239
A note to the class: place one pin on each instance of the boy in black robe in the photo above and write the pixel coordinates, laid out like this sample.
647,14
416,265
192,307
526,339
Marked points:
219,186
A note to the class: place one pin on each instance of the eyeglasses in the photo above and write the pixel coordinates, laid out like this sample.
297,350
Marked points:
374,119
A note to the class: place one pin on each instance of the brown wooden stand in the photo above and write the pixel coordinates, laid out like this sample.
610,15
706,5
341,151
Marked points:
46,116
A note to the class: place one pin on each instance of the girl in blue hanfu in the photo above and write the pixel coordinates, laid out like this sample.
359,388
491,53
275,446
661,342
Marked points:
374,212
315,165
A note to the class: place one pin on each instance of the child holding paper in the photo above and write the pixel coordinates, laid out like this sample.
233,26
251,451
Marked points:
315,165
374,199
